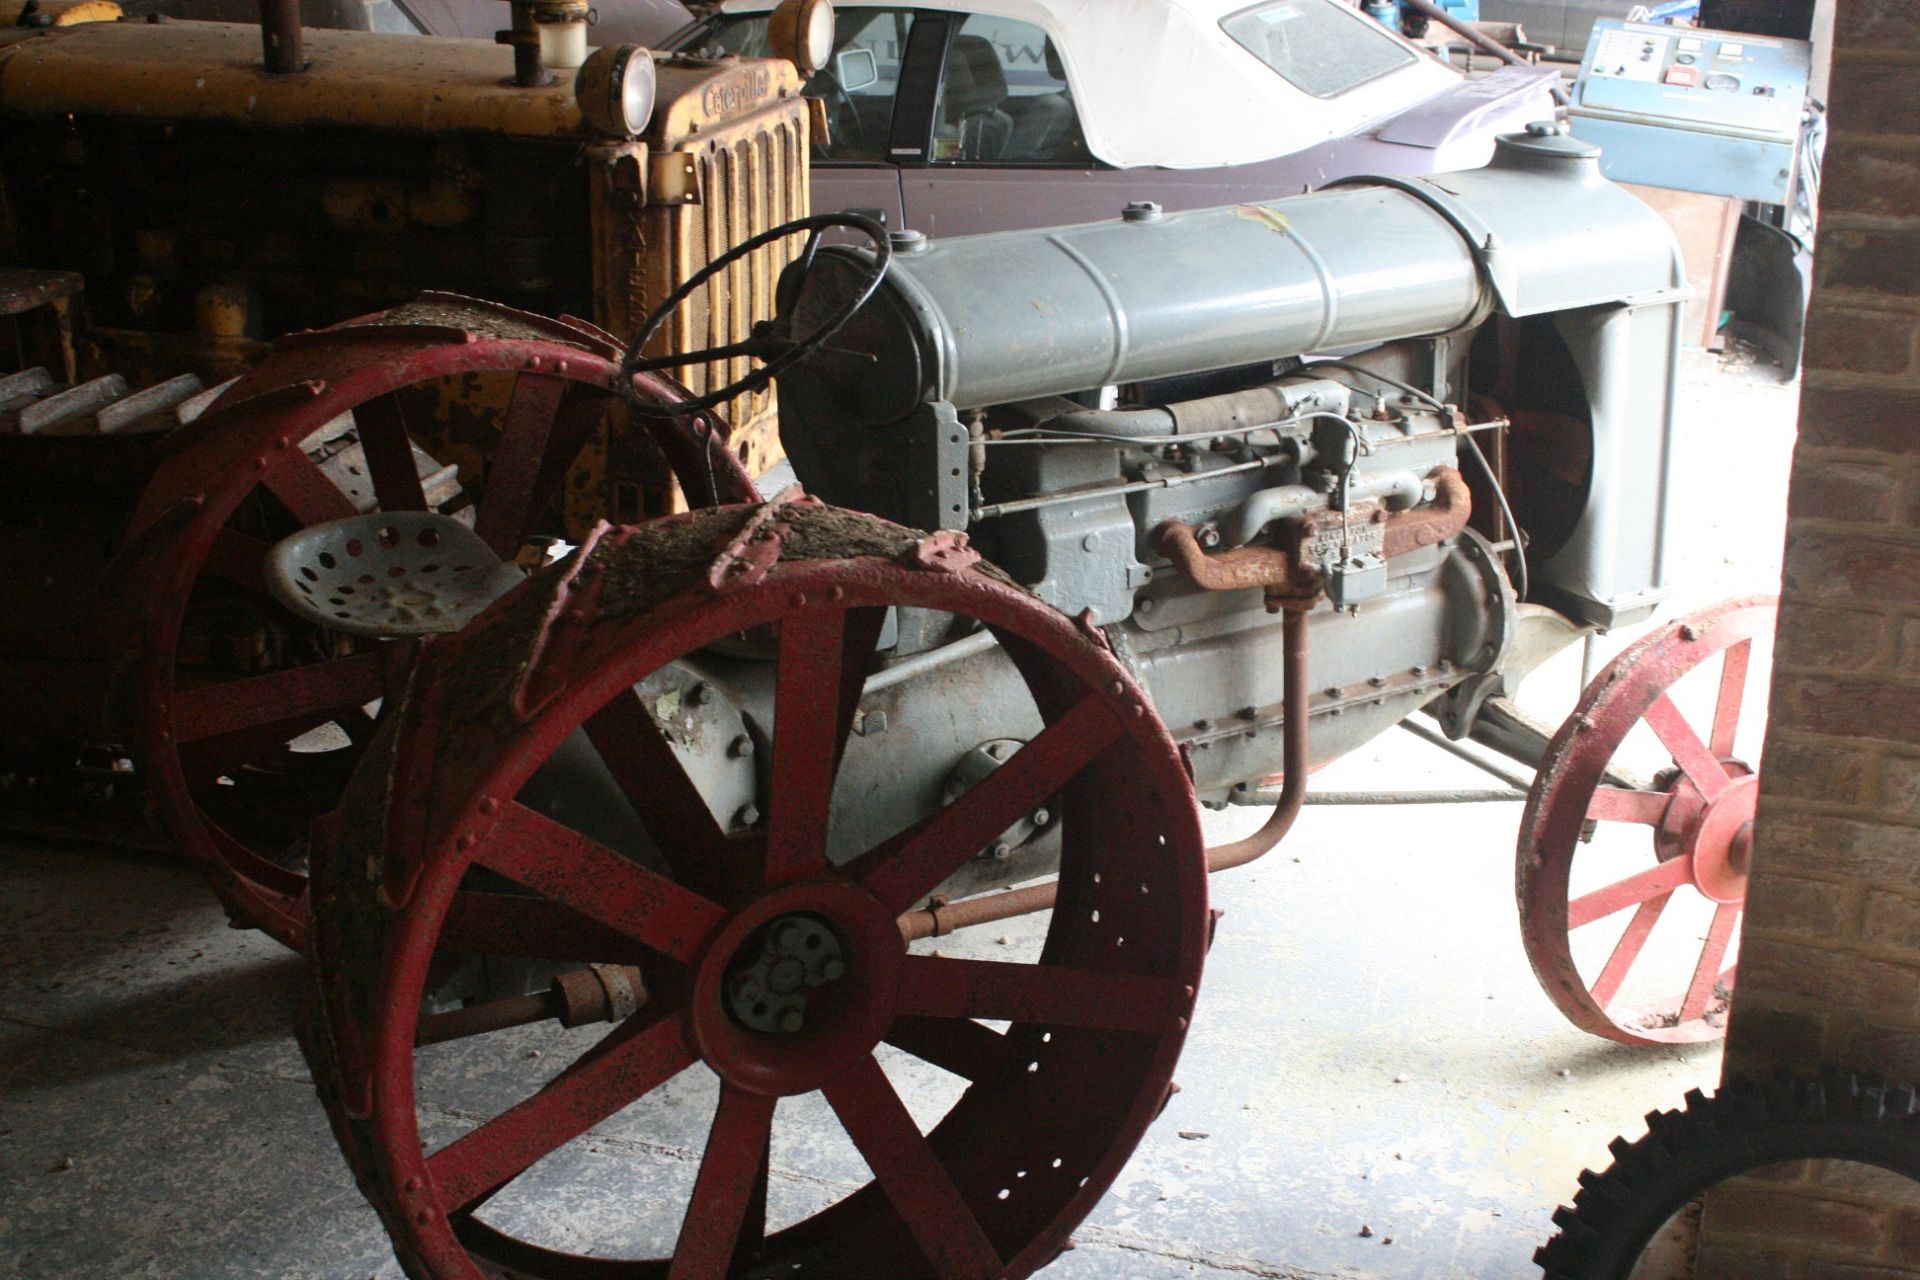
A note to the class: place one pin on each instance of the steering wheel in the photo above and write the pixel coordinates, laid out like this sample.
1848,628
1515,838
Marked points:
776,351
846,127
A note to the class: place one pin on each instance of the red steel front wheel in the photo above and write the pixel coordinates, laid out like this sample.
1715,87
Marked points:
814,1096
1632,872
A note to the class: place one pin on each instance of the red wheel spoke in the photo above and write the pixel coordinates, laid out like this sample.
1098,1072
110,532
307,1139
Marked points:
511,924
303,488
906,869
1621,804
297,692
1050,995
656,784
513,478
1707,971
911,1175
635,1058
824,655
967,1049
239,559
1627,950
531,849
1691,754
720,1210
382,425
1733,690
1635,889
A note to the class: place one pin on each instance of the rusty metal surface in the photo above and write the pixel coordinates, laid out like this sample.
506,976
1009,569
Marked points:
23,289
1102,1021
61,13
1422,526
212,71
282,40
1698,817
1274,569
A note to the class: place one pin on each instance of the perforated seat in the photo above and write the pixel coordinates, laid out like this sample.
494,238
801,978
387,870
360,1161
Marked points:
388,574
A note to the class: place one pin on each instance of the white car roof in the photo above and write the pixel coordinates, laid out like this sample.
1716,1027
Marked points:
1159,83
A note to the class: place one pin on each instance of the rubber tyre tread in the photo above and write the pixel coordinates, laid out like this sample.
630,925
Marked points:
1747,1125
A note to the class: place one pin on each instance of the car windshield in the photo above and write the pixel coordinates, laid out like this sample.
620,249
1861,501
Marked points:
1319,46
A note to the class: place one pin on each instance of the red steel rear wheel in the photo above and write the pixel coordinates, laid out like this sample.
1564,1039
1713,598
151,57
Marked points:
1046,1106
1696,820
242,752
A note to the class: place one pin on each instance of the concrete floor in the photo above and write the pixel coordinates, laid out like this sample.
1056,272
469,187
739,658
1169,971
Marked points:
1374,1085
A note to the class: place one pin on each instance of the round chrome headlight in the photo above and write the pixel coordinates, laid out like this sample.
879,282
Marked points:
615,89
801,31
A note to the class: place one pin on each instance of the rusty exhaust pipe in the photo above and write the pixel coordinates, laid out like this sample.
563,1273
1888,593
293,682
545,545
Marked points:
943,918
280,36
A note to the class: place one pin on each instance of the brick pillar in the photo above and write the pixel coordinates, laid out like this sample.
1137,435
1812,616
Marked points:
1830,957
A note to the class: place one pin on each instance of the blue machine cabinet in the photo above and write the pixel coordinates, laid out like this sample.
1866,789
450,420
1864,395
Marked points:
1717,112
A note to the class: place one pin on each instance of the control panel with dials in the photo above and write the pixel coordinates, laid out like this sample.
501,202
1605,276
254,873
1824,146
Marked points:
1714,111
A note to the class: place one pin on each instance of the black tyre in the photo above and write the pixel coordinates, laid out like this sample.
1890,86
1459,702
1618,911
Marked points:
1748,1125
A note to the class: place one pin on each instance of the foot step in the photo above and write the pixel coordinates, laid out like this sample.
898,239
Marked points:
154,409
51,415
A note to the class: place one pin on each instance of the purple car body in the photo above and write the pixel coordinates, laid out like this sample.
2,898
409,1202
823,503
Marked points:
955,117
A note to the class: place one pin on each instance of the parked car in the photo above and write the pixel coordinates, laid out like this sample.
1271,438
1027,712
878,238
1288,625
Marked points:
960,116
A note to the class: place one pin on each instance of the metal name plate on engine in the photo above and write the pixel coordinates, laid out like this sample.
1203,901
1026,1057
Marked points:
1349,551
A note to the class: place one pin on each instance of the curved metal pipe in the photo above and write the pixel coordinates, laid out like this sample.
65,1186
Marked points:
943,918
1478,39
1293,731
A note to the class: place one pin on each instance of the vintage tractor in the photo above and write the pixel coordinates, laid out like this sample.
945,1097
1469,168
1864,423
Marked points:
1087,541
171,202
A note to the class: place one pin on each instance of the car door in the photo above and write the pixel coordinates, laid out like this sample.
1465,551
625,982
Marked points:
854,170
1003,143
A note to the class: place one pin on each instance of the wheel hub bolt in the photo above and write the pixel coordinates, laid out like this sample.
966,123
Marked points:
778,969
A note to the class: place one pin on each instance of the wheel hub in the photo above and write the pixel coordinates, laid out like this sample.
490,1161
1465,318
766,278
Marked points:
1717,833
797,986
798,953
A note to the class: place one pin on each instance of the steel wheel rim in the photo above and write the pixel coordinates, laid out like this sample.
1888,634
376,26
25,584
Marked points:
249,443
388,1154
1699,822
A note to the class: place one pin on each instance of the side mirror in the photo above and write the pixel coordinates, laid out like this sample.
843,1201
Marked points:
856,69
801,31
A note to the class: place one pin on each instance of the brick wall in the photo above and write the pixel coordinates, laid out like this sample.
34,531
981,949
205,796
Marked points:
1830,960
1811,1220
1830,956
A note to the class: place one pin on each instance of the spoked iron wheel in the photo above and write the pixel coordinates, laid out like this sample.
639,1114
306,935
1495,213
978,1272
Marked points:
1592,820
778,984
246,722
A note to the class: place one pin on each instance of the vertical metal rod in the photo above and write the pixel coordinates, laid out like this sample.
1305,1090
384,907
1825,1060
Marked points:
1479,40
280,36
1589,662
939,920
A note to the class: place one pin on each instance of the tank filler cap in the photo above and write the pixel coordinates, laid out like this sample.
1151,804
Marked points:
1142,211
1545,141
908,241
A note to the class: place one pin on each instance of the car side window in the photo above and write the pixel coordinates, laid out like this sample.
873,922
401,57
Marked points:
1004,98
858,84
861,80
